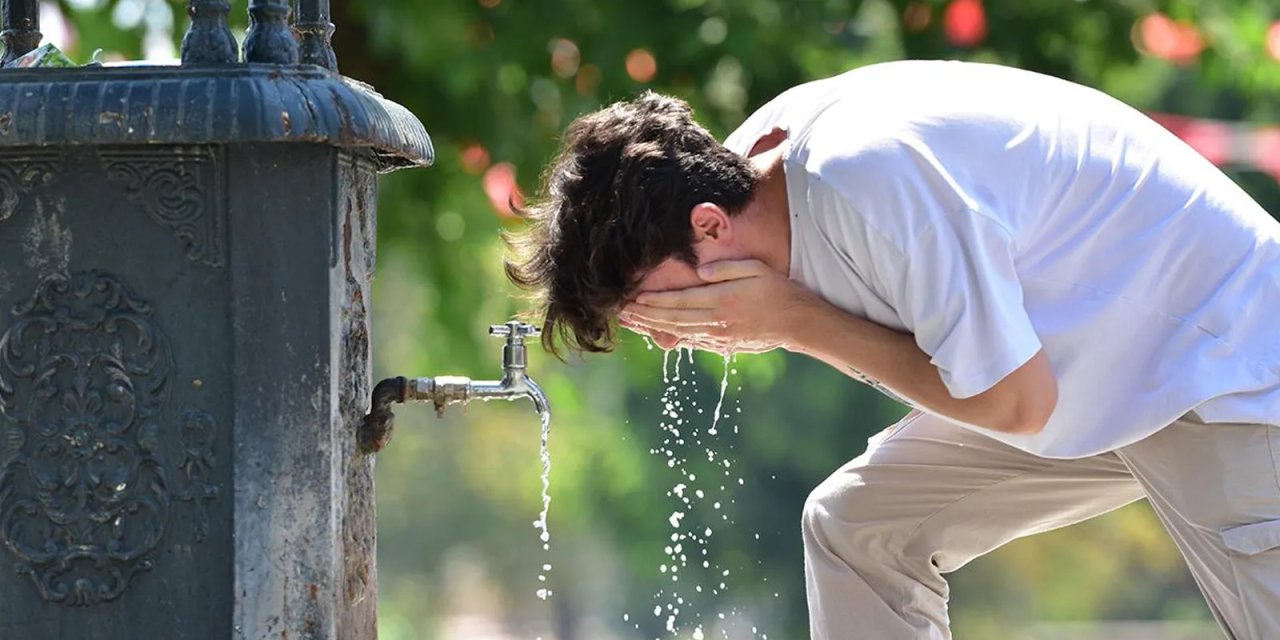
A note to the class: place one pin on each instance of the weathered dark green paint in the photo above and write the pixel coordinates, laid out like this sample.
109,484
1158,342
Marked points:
185,256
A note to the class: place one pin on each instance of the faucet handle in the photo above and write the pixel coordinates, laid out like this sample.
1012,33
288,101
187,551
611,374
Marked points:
515,331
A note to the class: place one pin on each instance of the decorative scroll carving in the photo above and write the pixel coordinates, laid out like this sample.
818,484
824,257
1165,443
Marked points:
84,497
179,191
19,174
197,465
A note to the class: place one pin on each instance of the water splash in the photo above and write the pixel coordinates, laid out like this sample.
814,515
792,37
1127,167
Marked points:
692,573
724,384
541,523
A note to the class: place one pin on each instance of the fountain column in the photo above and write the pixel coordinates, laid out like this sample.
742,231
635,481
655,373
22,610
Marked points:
185,260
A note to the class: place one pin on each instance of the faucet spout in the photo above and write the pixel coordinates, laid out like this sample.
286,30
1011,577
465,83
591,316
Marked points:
539,399
512,387
442,391
515,381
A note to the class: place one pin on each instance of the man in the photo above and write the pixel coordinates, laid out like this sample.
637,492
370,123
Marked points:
1080,309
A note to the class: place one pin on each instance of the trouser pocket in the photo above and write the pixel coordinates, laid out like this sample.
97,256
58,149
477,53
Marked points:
1254,553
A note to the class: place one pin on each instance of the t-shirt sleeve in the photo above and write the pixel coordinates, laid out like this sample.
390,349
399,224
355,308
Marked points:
955,288
943,265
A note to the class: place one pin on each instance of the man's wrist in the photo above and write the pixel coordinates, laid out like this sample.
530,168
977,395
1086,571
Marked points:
811,317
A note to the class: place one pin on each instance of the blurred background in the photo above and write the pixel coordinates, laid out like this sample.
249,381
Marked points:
637,509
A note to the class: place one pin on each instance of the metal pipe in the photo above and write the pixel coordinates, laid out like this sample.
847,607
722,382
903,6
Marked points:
442,391
21,29
375,429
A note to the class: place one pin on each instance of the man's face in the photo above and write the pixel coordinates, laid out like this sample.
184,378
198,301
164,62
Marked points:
671,274
714,240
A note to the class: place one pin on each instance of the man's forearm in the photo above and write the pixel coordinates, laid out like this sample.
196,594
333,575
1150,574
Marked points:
866,350
748,303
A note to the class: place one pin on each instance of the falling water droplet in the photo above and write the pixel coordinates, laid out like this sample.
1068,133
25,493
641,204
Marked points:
541,523
724,384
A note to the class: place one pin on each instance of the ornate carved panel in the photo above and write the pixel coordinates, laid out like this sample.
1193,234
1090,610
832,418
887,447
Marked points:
197,465
84,484
179,190
19,174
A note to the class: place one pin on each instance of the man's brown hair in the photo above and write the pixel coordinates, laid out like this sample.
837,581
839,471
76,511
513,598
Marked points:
614,205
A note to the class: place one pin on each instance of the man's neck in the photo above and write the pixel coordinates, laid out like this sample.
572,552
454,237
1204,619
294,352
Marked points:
768,217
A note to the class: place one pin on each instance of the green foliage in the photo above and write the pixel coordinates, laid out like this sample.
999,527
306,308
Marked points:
456,496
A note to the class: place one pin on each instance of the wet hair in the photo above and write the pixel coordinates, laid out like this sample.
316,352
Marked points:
614,205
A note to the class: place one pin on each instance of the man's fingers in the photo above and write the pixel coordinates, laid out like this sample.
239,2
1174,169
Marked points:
693,337
632,326
723,270
683,331
645,314
701,297
663,339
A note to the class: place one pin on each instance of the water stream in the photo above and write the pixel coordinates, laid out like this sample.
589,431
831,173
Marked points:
702,493
724,384
541,522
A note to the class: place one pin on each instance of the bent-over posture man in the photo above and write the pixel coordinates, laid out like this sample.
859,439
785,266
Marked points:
1080,309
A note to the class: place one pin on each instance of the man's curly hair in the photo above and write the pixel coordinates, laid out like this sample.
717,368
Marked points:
614,205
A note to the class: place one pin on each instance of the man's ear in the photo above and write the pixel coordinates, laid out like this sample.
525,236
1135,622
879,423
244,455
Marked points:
711,223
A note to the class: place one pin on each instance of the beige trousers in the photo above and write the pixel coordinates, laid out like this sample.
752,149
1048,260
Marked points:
927,497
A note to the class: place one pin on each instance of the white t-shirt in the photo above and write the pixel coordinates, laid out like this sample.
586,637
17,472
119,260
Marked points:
992,211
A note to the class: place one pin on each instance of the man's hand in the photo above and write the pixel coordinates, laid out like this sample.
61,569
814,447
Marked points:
664,340
667,341
748,307
745,307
